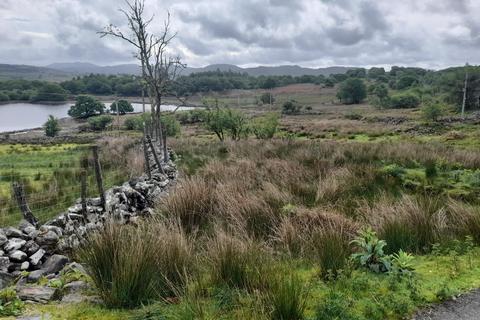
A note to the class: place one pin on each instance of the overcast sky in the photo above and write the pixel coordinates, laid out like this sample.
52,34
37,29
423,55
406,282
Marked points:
313,33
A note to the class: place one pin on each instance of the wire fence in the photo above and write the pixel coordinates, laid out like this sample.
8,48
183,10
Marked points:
51,187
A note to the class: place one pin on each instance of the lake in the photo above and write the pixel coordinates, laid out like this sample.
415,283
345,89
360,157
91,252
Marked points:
20,116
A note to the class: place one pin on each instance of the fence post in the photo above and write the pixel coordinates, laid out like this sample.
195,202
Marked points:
154,152
147,160
19,193
83,181
98,176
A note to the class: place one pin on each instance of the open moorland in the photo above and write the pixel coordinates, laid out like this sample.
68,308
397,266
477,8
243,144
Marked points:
344,212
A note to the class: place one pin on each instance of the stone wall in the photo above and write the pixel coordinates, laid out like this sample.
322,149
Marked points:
43,251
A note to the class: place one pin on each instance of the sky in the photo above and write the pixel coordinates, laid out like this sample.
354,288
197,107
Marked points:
312,33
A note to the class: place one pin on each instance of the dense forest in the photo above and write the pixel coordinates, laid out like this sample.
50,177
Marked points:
446,85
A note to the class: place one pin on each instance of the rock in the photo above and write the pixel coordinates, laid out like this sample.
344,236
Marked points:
31,247
14,244
75,216
34,276
96,202
75,286
54,264
4,263
37,293
47,239
37,256
12,232
25,265
25,226
75,266
47,228
75,209
18,256
6,279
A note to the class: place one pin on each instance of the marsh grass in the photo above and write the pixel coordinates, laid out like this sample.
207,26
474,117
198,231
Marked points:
287,298
131,266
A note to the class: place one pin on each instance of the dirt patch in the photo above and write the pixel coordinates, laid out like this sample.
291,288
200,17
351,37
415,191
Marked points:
465,307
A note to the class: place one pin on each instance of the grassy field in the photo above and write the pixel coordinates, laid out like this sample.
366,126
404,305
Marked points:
270,229
51,177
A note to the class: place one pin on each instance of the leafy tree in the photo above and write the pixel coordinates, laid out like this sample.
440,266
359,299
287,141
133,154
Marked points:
329,83
352,91
374,73
50,92
86,106
99,123
357,73
225,121
171,125
265,127
267,98
123,107
404,100
291,107
269,83
406,82
380,97
432,111
52,127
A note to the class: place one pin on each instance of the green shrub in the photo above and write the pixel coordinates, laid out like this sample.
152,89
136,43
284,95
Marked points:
404,100
432,111
51,126
170,125
370,252
10,304
267,98
402,263
266,126
286,298
131,266
190,116
99,123
123,107
226,121
4,97
291,107
134,123
336,306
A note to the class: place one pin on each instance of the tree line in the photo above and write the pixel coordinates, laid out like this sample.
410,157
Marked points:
408,84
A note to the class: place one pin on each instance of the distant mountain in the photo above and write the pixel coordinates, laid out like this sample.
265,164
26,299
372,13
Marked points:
65,71
12,71
86,68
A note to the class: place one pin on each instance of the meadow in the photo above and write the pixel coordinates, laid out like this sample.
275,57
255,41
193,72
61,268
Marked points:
51,175
348,212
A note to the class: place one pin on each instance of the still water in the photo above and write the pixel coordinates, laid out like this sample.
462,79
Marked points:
19,116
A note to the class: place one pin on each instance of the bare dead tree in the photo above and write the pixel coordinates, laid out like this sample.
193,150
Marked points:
159,69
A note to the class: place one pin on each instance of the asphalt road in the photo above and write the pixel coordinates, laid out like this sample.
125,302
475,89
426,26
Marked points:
465,307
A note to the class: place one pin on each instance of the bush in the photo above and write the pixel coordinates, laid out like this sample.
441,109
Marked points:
266,126
352,91
123,107
404,100
86,106
131,266
190,116
267,98
226,121
286,298
398,236
170,125
99,123
10,304
51,126
134,123
371,254
50,92
432,111
291,107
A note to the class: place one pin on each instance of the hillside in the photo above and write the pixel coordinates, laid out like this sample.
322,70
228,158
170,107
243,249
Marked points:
85,68
10,72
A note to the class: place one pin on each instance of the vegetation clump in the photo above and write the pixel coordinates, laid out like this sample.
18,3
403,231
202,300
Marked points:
52,127
85,107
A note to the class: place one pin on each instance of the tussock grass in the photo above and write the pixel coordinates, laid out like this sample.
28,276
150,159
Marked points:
131,266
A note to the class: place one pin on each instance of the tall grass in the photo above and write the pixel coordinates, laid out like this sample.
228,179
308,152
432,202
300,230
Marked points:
287,298
131,266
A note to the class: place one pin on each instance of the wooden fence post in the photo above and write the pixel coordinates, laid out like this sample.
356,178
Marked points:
154,152
98,176
19,193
